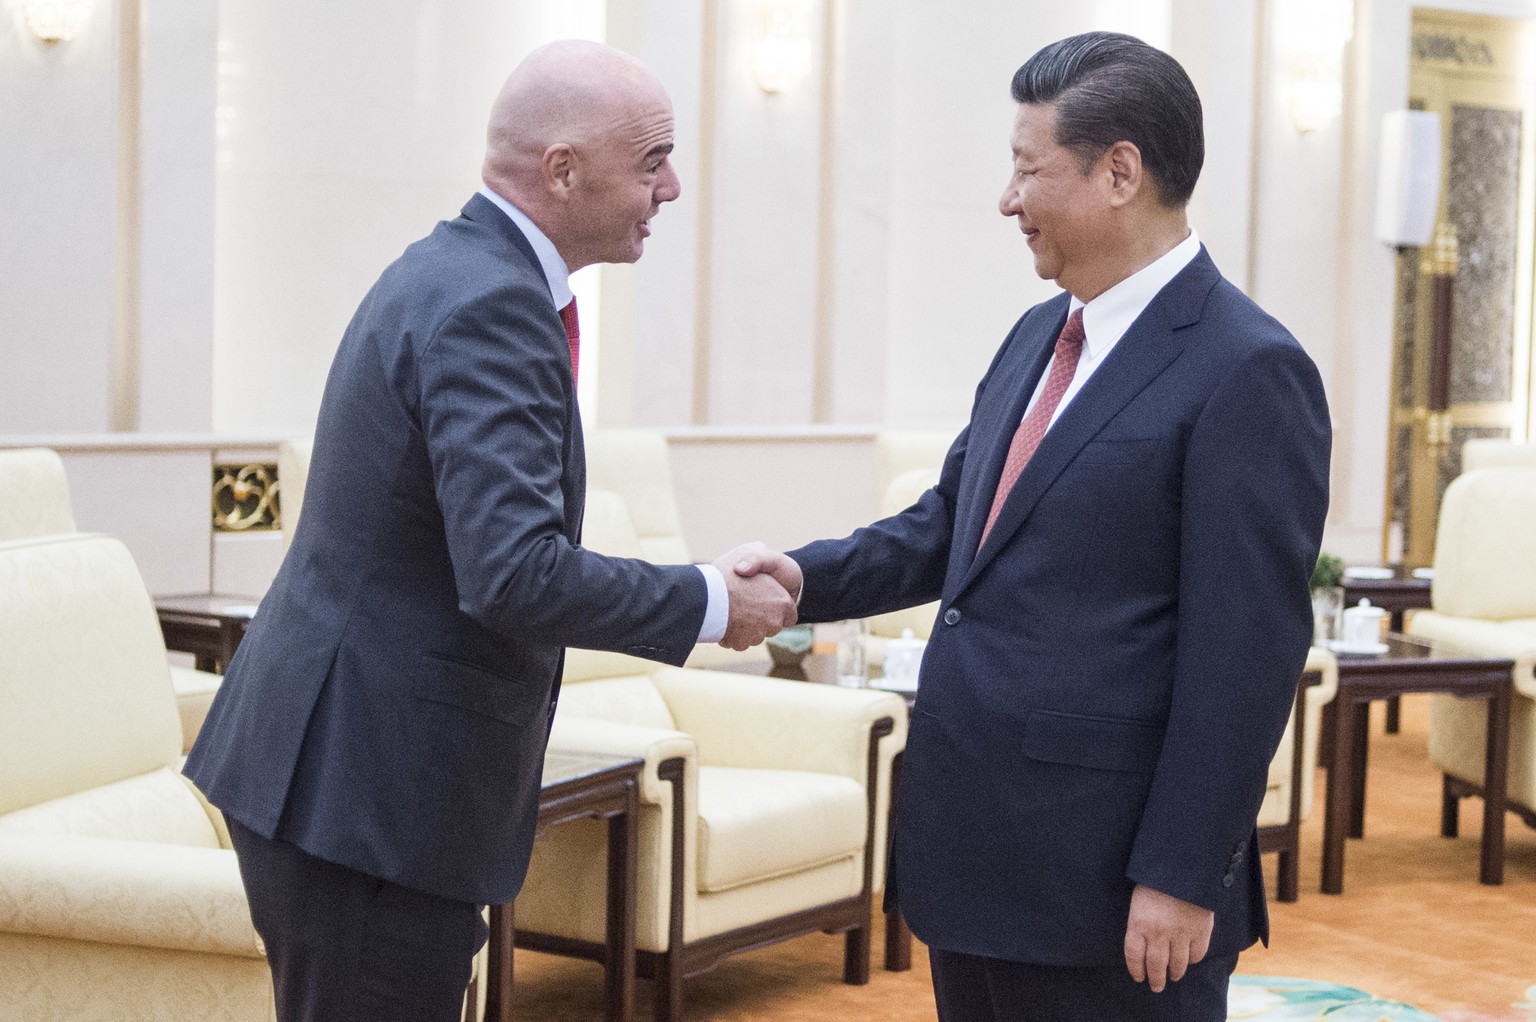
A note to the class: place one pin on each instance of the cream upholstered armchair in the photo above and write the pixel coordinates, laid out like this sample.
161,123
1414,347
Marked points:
119,896
34,494
1487,452
634,464
1293,771
34,501
907,463
1485,602
763,808
902,492
292,473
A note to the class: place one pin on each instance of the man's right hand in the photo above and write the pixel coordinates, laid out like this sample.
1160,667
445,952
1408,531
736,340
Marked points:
759,605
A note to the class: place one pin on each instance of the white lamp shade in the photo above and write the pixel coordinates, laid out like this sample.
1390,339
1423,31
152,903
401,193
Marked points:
1408,177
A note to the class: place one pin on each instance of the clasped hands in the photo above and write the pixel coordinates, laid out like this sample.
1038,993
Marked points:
763,586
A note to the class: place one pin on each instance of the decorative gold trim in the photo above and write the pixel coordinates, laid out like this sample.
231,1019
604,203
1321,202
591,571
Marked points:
246,498
1441,256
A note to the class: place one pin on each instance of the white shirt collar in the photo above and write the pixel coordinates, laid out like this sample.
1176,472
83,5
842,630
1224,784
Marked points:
554,268
1110,315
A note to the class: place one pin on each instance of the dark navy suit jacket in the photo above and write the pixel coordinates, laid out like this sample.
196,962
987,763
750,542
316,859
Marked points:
1110,675
388,708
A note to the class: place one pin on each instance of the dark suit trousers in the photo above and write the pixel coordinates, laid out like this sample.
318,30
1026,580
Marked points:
348,947
971,988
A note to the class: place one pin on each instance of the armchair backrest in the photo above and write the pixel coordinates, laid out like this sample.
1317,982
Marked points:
83,675
34,494
292,473
634,463
1485,548
901,494
1487,452
899,451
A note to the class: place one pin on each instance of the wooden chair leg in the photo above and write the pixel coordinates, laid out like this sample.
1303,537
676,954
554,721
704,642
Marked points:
1450,803
1289,875
898,942
856,947
669,987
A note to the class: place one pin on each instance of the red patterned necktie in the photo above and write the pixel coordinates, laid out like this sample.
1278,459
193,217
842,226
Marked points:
1069,346
572,334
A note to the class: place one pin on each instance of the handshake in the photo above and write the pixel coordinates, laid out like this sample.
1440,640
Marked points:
763,586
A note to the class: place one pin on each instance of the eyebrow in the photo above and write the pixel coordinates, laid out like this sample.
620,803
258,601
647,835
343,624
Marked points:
661,150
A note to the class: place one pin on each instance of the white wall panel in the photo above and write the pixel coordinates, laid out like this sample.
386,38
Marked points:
58,195
347,130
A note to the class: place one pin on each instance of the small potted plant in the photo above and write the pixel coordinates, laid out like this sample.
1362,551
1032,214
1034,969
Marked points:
1327,598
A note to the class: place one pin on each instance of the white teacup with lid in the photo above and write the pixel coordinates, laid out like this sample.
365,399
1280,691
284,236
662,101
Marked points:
903,657
1362,626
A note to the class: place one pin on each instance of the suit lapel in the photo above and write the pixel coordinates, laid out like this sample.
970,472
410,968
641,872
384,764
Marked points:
990,438
1151,344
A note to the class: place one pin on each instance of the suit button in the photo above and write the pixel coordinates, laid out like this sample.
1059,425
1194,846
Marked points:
952,616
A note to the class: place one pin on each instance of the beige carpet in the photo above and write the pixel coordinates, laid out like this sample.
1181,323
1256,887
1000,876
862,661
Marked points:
1412,926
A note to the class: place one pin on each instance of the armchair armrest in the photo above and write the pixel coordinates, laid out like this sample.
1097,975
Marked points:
194,695
1487,638
768,723
615,738
177,897
1327,665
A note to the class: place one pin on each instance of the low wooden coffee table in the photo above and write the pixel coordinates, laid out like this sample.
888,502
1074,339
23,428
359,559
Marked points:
578,786
1409,666
207,625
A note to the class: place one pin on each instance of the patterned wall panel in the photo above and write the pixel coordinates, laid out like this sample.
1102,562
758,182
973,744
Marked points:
1482,202
1402,467
1406,322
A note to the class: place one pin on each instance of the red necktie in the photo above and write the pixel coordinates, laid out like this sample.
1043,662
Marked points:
572,334
1032,430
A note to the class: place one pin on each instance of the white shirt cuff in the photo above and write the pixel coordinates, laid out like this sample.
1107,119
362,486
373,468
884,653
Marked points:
718,614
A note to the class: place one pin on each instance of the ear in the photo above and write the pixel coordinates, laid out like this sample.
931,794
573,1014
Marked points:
559,169
1122,163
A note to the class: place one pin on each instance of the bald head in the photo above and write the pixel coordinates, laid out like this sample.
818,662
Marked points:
569,118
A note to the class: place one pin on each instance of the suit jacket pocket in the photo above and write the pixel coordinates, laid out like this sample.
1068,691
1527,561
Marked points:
1099,743
1118,452
439,679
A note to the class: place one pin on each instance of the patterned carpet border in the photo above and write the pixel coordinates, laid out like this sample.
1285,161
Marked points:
1281,999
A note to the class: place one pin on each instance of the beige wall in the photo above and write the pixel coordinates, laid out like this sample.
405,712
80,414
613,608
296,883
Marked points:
836,257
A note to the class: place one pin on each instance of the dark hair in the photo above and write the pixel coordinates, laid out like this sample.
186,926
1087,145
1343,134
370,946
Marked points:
1108,88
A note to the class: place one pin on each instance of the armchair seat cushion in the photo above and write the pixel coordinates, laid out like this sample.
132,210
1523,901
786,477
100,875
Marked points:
159,807
759,824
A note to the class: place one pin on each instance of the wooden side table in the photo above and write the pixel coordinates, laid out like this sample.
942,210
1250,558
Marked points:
578,786
207,625
1396,595
1411,666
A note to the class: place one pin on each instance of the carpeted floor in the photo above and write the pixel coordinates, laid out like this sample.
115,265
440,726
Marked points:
1414,937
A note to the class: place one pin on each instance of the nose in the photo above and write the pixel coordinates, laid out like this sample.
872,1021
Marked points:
668,186
1008,205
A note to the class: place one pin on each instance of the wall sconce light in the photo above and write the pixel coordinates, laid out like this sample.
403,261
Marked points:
1313,35
57,21
781,45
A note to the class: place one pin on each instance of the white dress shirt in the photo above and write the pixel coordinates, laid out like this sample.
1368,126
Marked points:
718,611
1110,315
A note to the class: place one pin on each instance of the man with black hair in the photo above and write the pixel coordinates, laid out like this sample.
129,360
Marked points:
1121,539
